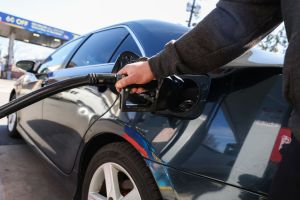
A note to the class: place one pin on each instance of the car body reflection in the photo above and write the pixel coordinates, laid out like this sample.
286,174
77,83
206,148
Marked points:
231,142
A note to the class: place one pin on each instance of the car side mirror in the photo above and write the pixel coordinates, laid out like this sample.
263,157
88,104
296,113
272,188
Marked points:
26,65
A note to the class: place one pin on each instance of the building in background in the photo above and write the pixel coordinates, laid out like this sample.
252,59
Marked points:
17,28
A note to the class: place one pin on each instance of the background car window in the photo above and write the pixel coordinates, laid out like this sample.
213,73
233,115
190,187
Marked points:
55,60
128,45
99,48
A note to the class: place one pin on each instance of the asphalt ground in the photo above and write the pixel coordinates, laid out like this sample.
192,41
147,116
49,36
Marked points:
24,175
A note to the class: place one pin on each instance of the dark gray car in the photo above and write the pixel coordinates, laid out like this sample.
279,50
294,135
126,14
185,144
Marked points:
229,152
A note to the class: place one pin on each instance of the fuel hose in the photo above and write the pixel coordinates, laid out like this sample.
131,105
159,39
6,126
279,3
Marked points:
54,88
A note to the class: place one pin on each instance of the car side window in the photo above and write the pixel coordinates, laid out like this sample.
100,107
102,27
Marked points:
99,48
128,45
56,60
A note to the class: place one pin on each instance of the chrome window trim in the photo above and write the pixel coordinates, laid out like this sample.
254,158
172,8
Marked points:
130,32
136,41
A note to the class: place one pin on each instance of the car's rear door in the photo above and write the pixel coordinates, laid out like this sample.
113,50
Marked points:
68,115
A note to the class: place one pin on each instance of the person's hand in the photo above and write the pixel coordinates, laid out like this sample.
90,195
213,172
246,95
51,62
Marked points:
137,73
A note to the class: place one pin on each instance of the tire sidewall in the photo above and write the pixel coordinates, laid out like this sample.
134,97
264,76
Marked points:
122,159
13,133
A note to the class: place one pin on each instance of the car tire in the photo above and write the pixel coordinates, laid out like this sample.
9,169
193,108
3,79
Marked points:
119,167
12,121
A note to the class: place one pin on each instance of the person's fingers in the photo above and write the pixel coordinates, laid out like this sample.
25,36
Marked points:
123,70
140,90
137,73
118,85
133,90
127,80
119,89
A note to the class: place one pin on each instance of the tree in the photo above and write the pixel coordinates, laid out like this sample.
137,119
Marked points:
275,41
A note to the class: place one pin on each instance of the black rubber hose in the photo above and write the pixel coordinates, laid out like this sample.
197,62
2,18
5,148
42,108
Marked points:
51,89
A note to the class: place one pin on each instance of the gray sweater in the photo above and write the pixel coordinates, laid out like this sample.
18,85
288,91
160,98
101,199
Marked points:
227,32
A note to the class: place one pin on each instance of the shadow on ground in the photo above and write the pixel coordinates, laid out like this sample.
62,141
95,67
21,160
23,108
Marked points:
6,140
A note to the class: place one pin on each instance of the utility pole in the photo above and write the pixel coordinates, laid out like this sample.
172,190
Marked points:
192,12
193,9
10,57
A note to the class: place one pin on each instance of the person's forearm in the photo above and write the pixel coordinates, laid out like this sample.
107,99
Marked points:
227,32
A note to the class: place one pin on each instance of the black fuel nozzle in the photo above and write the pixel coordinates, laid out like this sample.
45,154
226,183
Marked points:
143,102
133,102
105,78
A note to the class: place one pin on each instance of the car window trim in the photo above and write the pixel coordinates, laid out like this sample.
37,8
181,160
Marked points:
70,55
130,32
86,39
138,43
87,36
113,54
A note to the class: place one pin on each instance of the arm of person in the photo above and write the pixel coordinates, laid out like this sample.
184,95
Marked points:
232,28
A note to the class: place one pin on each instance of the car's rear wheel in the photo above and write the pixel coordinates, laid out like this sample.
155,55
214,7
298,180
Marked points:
117,172
12,123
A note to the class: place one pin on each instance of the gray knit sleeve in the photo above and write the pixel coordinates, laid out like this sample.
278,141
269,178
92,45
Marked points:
228,31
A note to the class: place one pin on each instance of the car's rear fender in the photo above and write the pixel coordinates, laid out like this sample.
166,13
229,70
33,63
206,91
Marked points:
107,131
112,130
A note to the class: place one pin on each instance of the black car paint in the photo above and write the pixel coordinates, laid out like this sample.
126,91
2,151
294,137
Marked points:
249,116
199,168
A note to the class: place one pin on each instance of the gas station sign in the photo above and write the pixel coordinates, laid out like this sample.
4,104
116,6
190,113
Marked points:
35,27
18,28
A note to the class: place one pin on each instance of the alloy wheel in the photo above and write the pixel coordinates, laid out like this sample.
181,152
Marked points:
11,121
112,182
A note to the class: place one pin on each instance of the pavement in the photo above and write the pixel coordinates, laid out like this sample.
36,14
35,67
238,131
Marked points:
23,174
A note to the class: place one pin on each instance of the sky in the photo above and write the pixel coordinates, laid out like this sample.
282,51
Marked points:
83,16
